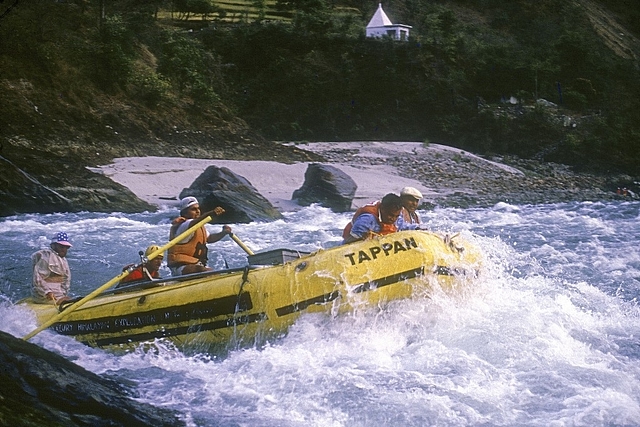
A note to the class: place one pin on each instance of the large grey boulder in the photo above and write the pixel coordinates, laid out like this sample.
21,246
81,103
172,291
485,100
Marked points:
328,186
41,388
38,182
22,193
235,194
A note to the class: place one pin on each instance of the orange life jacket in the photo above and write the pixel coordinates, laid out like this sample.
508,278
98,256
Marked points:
195,250
373,209
139,273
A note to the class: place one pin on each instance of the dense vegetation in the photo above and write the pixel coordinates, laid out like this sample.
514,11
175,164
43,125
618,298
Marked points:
312,75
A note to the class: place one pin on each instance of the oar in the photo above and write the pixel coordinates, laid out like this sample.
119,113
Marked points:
241,244
111,282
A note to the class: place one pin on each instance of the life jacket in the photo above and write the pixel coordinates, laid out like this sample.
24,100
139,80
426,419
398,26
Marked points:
410,218
192,252
139,273
373,209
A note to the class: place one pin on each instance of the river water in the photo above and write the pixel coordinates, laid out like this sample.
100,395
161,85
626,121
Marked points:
547,336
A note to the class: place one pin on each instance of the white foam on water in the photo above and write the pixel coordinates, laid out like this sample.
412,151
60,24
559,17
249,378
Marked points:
547,335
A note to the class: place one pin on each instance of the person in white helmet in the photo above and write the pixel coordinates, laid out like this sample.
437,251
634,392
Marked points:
190,255
410,198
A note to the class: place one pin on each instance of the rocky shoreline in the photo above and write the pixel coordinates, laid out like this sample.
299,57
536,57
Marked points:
41,388
34,181
461,179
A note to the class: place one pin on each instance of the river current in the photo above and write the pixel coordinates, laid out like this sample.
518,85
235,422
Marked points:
549,335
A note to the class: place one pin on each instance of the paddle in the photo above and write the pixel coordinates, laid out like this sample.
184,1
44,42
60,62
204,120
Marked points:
111,282
241,244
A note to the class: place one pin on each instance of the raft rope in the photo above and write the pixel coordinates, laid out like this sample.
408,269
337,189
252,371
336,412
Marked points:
245,279
448,240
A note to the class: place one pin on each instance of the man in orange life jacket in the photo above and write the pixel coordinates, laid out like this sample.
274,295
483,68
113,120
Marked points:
146,271
190,255
378,218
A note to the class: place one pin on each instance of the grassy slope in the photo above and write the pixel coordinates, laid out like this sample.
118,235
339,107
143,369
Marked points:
51,96
52,90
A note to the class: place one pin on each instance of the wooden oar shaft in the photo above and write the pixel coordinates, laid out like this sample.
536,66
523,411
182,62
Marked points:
241,244
111,282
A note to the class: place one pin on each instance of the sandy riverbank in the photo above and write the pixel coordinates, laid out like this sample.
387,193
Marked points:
159,180
446,176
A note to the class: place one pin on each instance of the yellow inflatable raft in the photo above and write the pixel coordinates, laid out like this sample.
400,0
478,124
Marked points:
243,307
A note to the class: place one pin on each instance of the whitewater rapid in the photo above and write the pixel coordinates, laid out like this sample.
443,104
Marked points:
548,336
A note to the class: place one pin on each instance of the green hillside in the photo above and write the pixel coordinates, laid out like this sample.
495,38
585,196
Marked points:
130,76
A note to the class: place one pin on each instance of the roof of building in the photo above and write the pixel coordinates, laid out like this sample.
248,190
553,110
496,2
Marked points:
379,19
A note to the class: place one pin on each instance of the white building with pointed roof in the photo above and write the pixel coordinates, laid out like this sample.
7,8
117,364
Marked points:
380,26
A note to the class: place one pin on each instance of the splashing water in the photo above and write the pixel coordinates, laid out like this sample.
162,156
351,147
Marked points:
547,336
